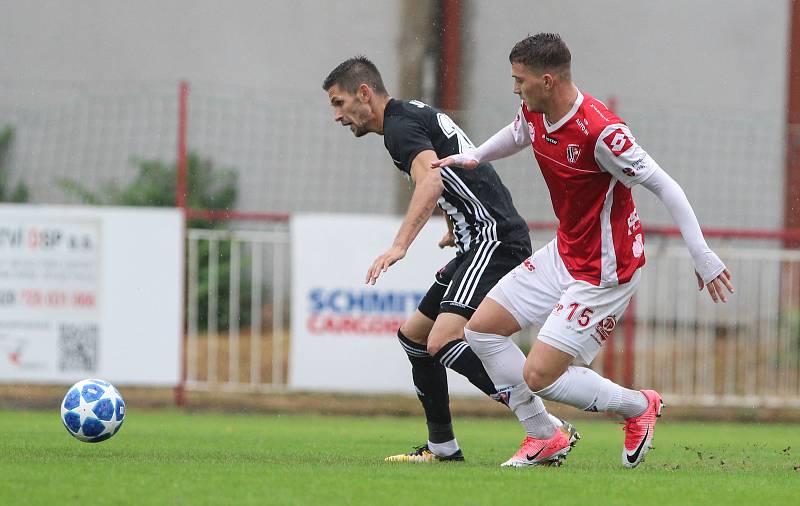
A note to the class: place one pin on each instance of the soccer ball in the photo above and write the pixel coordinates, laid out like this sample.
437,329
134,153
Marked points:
92,410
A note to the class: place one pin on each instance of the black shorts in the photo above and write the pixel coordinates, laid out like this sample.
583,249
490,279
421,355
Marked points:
462,284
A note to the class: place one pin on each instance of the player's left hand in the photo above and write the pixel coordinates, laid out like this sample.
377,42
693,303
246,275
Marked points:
715,286
383,262
465,161
449,240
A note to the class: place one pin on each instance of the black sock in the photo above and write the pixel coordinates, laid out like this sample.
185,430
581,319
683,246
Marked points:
458,356
430,380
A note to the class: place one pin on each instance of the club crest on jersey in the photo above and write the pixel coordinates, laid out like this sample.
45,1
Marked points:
573,152
618,142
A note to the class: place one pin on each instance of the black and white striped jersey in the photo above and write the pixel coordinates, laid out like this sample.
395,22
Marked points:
476,201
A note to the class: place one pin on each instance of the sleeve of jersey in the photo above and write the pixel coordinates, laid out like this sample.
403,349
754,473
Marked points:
520,129
707,264
405,140
617,152
508,141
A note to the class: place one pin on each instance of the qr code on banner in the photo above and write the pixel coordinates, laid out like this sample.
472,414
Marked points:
77,347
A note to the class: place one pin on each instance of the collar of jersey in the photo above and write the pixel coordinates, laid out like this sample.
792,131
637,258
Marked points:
558,124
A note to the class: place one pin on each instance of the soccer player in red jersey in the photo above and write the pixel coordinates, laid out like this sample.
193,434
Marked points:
578,285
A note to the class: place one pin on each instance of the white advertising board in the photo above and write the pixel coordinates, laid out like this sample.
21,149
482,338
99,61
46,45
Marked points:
344,332
90,292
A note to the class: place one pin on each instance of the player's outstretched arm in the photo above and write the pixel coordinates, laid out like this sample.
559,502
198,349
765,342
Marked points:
428,188
709,269
504,143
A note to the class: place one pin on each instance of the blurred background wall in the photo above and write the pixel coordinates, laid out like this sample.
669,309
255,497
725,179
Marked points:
88,86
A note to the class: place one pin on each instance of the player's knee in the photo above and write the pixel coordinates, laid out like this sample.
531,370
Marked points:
409,333
436,342
433,348
536,378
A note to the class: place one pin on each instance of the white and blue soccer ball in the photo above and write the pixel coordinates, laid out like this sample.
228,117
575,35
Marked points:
93,410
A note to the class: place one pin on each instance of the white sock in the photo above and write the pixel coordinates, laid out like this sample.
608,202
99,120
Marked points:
444,449
584,389
504,361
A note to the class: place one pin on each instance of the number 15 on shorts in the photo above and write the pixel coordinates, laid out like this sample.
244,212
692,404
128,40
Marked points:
571,312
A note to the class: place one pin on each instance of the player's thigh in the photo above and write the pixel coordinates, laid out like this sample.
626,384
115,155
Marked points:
480,270
585,316
493,318
524,296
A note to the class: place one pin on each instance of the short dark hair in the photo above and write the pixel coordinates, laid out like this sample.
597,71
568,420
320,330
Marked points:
352,73
543,51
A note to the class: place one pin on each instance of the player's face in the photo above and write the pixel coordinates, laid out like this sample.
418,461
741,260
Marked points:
350,111
529,85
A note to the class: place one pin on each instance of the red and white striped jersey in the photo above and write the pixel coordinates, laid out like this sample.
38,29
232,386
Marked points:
590,160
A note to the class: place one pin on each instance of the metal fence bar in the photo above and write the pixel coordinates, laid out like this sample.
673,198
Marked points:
277,314
213,294
256,280
233,312
191,312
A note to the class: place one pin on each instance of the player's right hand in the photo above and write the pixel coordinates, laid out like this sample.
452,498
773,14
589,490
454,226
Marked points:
715,286
465,161
383,262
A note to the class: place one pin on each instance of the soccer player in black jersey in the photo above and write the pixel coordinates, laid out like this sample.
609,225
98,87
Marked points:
489,235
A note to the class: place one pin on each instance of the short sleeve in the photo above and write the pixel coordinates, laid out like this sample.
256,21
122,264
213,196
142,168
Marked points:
617,152
520,128
405,138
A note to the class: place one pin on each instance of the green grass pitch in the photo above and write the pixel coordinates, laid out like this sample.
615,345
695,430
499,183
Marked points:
170,457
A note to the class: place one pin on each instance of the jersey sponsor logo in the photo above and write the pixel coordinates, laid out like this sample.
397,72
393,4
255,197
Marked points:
618,142
635,166
528,264
599,113
573,152
341,311
549,139
582,124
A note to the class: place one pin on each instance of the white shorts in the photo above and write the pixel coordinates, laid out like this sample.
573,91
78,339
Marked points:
576,316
